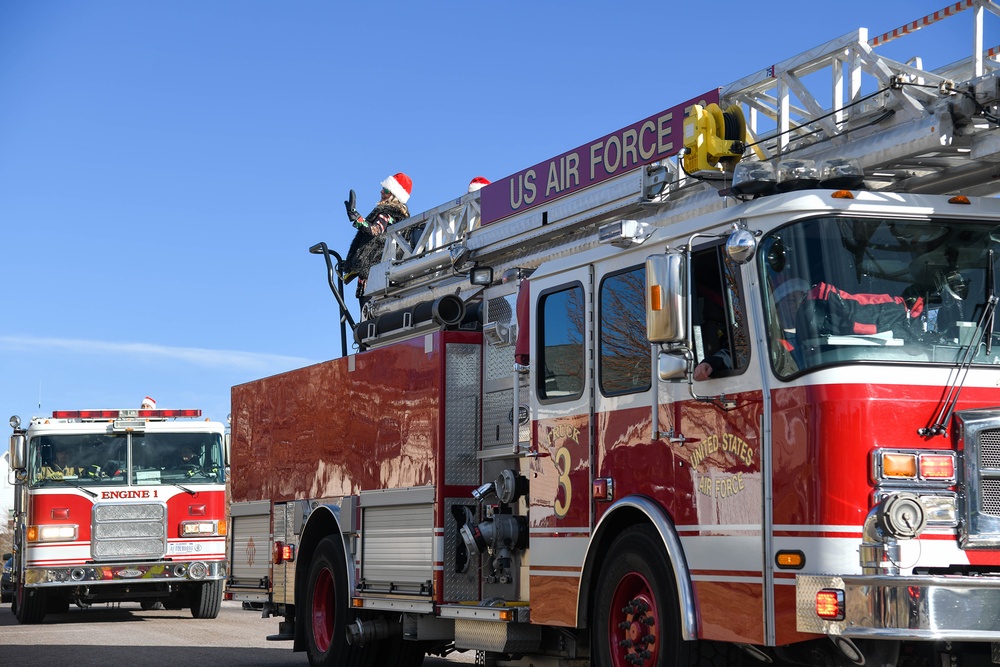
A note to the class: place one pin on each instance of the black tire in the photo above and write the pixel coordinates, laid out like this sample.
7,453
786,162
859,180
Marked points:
56,603
325,614
636,598
395,651
152,605
206,600
411,654
29,605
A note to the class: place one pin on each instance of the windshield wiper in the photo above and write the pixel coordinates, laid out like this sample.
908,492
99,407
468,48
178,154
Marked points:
184,489
954,387
76,486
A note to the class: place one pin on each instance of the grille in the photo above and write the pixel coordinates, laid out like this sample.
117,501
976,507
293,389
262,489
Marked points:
990,489
128,531
979,503
989,453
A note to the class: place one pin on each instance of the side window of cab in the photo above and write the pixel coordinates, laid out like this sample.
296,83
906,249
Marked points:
718,313
561,343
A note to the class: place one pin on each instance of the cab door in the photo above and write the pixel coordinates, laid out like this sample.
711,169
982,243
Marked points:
712,429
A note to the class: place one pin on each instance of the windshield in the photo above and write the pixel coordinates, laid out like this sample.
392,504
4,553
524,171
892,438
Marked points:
142,459
841,290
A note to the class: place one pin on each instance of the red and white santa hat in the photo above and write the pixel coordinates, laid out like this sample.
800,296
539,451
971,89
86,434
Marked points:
148,404
477,183
399,185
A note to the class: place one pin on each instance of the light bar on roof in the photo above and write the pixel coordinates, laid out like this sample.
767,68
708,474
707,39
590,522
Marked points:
116,414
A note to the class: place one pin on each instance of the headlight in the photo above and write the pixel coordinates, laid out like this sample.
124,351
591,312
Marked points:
53,533
941,507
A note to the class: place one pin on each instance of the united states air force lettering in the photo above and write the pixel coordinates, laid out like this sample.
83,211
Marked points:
738,454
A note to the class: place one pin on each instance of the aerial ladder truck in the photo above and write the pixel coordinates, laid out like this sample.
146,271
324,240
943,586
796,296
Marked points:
719,387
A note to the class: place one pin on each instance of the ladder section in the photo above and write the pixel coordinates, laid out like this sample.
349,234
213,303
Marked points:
451,237
911,130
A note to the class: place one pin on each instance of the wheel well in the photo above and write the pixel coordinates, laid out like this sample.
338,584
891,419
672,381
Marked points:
624,514
322,523
609,529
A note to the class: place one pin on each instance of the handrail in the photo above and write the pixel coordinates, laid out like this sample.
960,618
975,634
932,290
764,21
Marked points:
338,290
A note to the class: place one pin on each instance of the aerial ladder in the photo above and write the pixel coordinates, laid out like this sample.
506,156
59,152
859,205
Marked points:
909,129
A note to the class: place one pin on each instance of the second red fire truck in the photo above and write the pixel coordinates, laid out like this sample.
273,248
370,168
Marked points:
698,392
119,505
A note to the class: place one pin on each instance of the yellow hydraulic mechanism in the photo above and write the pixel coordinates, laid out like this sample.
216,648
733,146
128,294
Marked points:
714,139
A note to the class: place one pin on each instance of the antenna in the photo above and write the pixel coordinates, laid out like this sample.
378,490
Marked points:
39,395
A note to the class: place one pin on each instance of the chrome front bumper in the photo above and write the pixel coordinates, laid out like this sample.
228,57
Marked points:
116,573
956,608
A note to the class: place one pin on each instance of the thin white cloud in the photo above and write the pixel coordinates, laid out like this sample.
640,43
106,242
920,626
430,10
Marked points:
232,359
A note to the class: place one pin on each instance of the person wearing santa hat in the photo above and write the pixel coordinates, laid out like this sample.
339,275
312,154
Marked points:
148,404
366,248
478,183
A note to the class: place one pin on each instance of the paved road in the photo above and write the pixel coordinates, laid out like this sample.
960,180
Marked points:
126,636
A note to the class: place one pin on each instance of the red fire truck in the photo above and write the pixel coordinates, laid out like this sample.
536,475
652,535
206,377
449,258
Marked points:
119,505
705,390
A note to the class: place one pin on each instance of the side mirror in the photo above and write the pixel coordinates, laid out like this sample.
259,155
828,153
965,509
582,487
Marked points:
227,440
666,298
17,452
672,366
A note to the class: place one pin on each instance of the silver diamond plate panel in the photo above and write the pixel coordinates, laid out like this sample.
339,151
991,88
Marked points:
805,602
497,430
129,530
501,309
461,414
496,636
499,361
458,586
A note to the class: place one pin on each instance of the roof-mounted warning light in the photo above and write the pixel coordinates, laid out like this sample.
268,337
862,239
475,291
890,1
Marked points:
124,414
752,179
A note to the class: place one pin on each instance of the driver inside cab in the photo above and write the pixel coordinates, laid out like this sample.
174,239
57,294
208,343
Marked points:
187,457
58,466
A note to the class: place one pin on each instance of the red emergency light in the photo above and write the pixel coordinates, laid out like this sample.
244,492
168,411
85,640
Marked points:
169,413
123,414
85,414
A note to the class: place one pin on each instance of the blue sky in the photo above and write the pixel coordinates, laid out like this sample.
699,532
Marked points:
164,167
